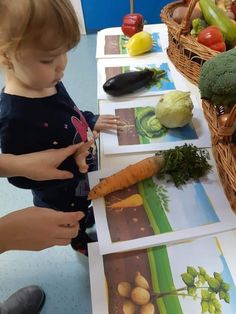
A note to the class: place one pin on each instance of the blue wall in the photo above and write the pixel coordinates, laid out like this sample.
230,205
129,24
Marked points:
99,14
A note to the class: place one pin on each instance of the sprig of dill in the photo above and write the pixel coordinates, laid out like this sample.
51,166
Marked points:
183,163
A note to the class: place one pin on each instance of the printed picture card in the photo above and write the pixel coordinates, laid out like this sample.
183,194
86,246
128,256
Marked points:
143,132
111,42
156,212
192,277
168,78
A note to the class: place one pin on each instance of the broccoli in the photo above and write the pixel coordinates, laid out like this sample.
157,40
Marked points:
198,25
217,82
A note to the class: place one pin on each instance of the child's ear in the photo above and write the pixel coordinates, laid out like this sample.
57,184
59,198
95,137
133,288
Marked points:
5,61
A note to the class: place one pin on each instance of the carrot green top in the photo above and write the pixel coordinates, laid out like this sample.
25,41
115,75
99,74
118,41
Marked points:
183,163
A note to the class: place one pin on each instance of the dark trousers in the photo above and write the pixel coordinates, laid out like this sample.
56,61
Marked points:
82,204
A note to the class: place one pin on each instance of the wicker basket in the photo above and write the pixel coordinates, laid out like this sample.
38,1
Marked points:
221,137
184,50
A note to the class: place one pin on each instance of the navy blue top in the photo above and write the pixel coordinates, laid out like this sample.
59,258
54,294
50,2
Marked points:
34,124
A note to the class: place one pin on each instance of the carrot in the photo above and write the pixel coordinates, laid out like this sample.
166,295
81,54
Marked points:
180,164
126,177
130,201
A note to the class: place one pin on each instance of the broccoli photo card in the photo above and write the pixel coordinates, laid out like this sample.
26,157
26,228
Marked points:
112,43
192,277
135,77
157,210
155,123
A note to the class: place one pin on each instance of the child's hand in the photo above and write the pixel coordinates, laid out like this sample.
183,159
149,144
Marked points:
107,122
81,154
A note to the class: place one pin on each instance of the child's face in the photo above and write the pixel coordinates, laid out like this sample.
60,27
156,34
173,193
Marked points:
38,69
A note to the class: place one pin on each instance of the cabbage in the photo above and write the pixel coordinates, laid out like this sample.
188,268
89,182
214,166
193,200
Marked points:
174,109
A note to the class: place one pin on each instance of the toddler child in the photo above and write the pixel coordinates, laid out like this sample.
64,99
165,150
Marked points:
36,112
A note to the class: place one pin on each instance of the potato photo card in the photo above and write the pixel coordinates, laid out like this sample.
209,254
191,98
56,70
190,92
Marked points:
192,277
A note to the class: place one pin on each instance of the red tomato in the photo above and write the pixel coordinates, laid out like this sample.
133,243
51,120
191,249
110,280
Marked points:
212,37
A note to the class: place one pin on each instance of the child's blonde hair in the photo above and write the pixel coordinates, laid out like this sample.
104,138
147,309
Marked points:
47,24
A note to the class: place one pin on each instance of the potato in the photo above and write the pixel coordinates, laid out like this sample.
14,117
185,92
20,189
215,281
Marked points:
141,281
124,289
140,296
147,309
230,14
180,12
129,307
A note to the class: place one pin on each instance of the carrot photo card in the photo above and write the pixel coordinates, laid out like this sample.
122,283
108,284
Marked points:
143,131
165,208
192,277
111,42
135,77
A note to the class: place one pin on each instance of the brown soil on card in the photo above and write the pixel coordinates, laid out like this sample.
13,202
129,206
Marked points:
112,44
123,267
126,223
112,71
129,134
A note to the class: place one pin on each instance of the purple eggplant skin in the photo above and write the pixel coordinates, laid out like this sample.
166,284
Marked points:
128,82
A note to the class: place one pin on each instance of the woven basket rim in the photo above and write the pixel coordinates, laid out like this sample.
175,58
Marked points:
181,32
222,132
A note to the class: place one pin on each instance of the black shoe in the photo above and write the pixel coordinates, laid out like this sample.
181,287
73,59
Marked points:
80,243
28,300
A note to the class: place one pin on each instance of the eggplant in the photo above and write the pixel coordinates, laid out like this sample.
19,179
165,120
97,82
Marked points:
129,82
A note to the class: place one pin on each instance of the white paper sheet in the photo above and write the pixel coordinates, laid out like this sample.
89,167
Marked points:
174,80
213,254
196,134
195,210
108,39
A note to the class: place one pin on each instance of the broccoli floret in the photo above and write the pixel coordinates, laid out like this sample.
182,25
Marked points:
198,25
217,82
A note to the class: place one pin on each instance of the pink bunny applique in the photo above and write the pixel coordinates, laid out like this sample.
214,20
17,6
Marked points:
81,128
84,133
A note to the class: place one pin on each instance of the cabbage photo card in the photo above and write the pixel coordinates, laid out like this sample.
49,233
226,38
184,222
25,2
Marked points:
155,212
142,131
192,277
111,42
150,76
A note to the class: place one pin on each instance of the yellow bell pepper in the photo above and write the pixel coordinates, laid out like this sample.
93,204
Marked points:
139,43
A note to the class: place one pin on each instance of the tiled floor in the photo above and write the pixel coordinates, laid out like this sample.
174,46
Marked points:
60,271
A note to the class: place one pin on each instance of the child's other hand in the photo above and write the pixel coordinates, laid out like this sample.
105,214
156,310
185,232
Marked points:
107,122
81,154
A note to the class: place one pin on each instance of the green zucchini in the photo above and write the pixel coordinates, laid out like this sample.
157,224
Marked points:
215,16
